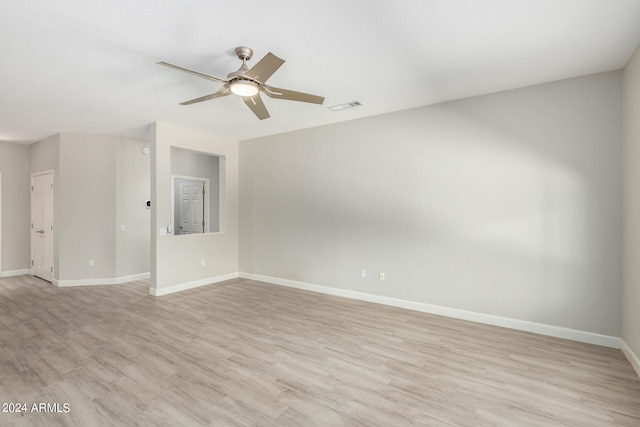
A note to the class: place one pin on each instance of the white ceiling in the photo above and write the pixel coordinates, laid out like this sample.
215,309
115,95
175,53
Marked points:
90,65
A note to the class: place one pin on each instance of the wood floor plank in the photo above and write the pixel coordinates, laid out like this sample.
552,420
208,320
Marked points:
244,353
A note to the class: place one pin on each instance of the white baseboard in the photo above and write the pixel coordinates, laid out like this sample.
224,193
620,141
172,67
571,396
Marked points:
631,357
93,282
522,325
190,285
12,273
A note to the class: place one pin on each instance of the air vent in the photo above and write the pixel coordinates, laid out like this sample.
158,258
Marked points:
345,106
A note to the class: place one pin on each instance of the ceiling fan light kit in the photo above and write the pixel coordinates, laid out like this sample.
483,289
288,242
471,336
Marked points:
244,87
249,82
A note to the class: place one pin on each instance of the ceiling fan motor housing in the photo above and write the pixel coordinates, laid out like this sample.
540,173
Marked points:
244,53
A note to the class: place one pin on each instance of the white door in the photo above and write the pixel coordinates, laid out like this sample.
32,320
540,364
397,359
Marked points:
42,225
191,207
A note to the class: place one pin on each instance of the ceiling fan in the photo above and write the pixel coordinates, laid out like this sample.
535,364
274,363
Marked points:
249,82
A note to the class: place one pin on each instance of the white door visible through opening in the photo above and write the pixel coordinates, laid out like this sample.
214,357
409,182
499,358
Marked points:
191,213
42,225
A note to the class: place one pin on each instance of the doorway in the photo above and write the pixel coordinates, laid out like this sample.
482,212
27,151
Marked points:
191,205
42,225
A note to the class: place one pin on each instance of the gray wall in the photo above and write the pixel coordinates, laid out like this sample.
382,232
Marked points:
101,182
133,188
87,194
16,181
45,155
176,260
631,168
506,204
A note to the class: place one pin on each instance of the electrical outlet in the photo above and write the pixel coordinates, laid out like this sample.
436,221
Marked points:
203,262
381,275
91,263
363,272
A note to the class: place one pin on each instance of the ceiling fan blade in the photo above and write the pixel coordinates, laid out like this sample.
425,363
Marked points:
224,91
265,68
291,95
257,106
195,73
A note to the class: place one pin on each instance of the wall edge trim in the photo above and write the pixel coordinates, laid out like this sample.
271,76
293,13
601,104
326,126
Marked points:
97,282
631,356
11,273
157,292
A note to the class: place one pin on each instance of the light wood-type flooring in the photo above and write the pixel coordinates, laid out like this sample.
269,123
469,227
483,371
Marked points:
246,353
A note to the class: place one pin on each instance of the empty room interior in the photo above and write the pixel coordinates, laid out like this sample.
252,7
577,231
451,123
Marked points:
338,213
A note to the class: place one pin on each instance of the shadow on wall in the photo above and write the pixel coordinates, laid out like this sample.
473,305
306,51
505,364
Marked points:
507,204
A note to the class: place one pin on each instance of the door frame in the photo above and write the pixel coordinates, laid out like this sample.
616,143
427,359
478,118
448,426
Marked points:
206,201
53,231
